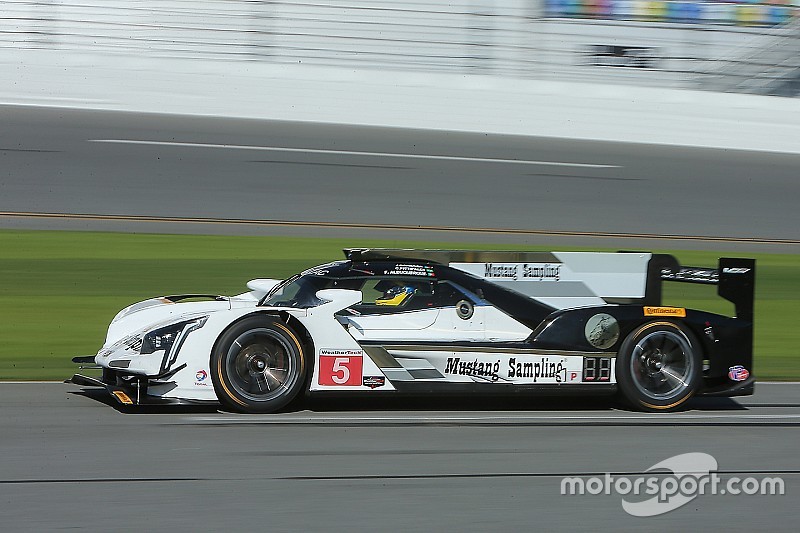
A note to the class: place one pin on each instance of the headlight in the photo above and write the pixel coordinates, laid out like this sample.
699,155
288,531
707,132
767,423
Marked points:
163,338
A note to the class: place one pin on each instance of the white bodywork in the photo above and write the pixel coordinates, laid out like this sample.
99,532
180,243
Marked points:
194,381
574,280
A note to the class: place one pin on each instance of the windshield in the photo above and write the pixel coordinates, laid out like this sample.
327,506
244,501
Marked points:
297,292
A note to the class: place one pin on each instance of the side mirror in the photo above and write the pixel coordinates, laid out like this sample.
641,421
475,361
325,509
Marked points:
338,299
260,287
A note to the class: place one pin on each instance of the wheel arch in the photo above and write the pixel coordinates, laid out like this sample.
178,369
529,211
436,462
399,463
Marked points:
684,325
291,328
296,326
625,383
303,336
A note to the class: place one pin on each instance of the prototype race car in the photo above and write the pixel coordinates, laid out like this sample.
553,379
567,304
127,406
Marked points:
439,322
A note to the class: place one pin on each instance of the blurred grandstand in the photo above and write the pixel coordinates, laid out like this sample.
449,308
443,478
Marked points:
742,46
742,13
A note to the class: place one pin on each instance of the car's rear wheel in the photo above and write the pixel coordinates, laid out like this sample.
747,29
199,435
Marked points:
659,366
258,365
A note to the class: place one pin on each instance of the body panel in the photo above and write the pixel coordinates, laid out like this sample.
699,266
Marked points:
394,321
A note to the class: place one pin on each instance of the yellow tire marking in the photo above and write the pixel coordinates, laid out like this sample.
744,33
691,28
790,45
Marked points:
673,326
224,386
296,343
219,364
651,406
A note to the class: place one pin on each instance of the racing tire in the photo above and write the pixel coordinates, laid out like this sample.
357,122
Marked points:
659,366
258,365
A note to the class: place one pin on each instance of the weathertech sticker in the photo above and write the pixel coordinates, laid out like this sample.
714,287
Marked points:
340,368
665,311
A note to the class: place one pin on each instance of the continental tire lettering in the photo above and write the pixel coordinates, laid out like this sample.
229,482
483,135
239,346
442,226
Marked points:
665,311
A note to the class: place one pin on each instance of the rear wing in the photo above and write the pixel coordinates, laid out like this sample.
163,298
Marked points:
734,277
574,279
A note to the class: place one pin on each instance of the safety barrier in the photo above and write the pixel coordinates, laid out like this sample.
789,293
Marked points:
607,41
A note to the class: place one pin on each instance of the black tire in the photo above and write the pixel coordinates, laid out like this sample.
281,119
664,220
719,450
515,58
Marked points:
659,366
258,365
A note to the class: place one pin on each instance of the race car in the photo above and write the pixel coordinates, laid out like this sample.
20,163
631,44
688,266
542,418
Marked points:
388,321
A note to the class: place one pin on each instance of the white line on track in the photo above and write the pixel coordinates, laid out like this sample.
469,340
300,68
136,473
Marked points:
654,417
351,152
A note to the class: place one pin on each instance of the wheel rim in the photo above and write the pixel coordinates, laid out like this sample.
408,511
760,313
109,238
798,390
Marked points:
662,365
260,365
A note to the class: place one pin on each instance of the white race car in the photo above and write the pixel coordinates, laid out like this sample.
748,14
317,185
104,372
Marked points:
438,322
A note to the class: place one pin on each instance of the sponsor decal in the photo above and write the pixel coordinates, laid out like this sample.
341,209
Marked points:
609,55
410,270
495,271
709,275
735,270
340,368
326,351
373,382
523,271
544,368
487,370
665,311
573,376
738,373
200,378
602,331
122,397
533,369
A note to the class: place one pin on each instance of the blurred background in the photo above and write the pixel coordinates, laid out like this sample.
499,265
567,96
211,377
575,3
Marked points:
185,146
748,46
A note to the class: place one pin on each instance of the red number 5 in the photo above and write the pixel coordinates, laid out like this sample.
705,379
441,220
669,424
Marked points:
336,370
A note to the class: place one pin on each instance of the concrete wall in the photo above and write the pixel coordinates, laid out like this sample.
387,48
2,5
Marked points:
465,65
510,38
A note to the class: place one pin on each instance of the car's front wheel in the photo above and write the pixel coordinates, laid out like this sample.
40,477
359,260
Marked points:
258,365
659,366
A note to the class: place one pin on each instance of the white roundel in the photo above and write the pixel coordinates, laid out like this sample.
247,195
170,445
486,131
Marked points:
602,331
465,309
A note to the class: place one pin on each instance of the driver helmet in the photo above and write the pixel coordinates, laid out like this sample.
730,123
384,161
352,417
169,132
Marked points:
395,295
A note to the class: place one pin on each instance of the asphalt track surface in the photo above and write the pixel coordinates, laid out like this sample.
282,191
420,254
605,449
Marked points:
62,168
70,459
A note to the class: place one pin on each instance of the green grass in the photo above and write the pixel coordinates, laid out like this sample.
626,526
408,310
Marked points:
58,290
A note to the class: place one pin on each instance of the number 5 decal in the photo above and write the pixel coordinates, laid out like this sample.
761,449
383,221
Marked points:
340,370
340,365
